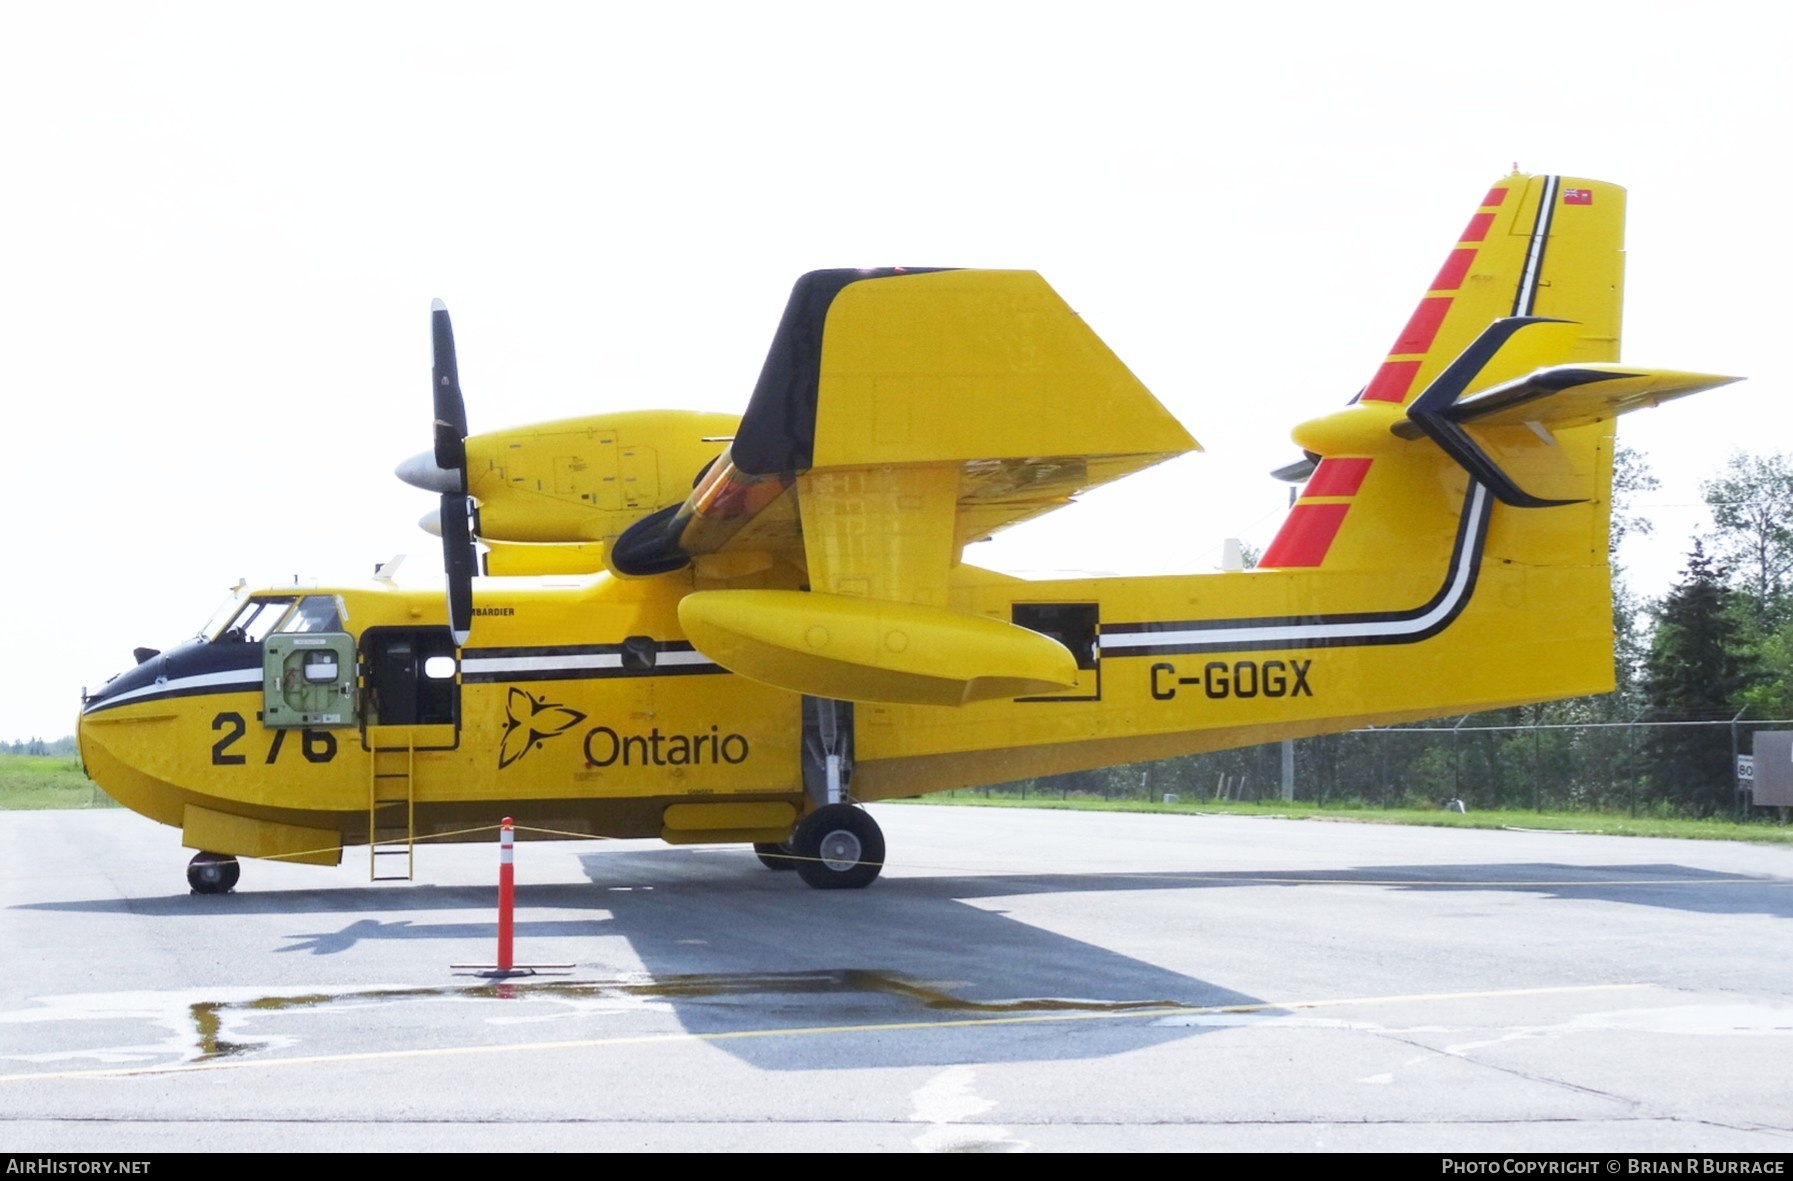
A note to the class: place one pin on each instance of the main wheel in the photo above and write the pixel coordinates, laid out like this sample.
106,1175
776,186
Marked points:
213,873
778,856
838,847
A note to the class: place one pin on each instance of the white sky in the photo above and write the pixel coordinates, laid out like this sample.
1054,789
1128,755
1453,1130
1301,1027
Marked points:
224,224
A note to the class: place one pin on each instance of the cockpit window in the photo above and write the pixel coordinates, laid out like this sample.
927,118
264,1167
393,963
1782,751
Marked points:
257,618
316,613
226,610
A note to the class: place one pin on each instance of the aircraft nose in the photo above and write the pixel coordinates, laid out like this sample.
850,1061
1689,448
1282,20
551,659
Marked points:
422,471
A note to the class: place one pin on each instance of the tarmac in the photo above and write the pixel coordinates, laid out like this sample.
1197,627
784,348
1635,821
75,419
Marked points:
1016,980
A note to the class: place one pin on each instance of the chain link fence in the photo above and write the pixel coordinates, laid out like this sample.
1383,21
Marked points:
1486,761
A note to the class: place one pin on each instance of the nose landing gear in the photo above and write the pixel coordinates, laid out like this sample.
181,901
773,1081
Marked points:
213,873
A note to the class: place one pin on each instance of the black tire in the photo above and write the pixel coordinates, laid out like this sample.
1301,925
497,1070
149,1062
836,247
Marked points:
213,873
839,847
778,856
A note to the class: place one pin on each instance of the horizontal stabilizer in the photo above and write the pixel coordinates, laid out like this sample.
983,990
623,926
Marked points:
1573,395
1470,428
857,649
1299,471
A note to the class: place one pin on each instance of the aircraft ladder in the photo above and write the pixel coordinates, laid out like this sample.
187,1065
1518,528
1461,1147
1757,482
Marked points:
391,807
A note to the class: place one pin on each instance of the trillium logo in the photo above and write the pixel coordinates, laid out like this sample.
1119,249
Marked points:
530,721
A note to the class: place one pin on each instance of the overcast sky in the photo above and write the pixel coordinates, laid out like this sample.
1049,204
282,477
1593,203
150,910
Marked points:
224,225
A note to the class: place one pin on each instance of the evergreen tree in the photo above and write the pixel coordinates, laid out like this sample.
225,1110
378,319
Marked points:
1696,671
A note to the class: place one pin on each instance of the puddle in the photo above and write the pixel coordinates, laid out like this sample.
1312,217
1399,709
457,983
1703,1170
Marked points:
216,1028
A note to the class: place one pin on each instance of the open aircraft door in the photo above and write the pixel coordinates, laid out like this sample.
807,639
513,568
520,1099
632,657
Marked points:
410,702
1078,626
410,687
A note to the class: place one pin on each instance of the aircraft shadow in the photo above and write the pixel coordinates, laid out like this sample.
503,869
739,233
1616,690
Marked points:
741,950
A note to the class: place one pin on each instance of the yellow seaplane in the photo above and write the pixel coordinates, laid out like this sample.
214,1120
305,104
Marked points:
706,628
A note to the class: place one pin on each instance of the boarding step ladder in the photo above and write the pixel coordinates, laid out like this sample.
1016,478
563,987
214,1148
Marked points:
391,804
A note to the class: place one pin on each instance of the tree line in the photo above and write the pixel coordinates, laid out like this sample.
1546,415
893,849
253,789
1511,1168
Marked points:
39,746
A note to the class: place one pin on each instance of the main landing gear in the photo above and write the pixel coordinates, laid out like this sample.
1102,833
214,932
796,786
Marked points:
213,873
838,847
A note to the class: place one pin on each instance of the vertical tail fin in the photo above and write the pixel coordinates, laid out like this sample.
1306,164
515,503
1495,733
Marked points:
1543,246
1463,497
1543,258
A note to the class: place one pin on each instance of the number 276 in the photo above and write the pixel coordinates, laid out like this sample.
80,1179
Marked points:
318,746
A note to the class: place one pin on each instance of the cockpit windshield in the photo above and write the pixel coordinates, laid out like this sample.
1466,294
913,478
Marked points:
223,615
257,619
316,613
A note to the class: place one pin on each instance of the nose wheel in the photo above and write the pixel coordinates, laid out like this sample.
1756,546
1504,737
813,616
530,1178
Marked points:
213,873
838,847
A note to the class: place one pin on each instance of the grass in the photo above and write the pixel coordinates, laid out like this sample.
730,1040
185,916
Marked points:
1581,822
48,781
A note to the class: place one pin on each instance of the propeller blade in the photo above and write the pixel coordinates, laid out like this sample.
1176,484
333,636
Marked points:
461,561
451,410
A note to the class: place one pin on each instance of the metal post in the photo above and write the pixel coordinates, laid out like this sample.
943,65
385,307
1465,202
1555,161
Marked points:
1457,759
1537,770
1736,788
1631,759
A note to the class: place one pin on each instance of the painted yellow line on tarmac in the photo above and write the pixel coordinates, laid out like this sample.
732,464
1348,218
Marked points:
809,1031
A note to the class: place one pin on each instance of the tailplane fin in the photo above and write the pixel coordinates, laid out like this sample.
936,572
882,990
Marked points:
1505,377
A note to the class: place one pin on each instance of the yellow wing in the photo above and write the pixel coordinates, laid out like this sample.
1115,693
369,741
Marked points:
927,409
901,415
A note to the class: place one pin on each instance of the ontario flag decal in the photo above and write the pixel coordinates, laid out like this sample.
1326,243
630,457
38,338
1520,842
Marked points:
1578,196
530,721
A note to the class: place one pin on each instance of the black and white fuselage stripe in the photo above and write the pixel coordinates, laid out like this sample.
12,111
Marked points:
194,670
1390,627
1526,297
591,662
563,663
230,681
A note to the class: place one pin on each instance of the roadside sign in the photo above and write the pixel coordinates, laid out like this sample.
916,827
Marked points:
1771,772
